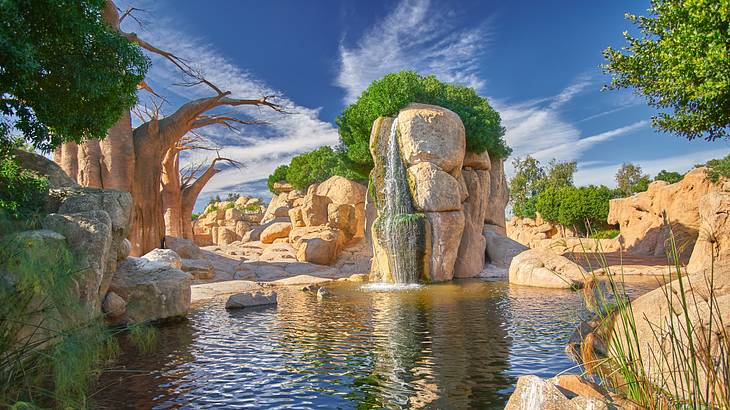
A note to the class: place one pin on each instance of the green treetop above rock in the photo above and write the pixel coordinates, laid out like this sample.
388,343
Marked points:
484,131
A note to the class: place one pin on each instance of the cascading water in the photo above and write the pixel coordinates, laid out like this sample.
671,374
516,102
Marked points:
400,228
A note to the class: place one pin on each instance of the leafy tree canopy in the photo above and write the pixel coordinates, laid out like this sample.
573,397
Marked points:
668,176
388,95
582,208
64,75
318,165
279,175
680,62
630,179
531,178
717,168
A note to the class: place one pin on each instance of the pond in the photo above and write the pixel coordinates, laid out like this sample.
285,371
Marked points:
454,345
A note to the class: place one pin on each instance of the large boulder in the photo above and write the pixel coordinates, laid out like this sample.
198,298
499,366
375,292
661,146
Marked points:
251,299
57,177
275,231
314,208
432,189
645,218
431,134
89,236
500,248
342,191
321,245
470,259
164,256
498,195
445,229
544,269
198,268
712,249
186,248
152,290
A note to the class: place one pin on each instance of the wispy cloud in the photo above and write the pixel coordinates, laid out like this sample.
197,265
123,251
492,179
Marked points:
413,36
605,174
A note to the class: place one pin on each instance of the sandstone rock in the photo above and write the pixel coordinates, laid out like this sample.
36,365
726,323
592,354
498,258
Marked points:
498,194
446,229
301,280
533,393
579,386
152,290
314,208
342,191
296,218
323,293
233,214
113,305
275,231
712,249
358,277
644,218
322,250
198,268
183,247
89,235
242,201
282,187
251,299
165,256
432,189
431,134
542,268
281,252
470,257
500,249
207,291
477,161
532,232
342,217
226,236
57,177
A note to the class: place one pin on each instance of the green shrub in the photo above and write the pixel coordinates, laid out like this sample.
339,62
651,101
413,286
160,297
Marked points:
195,216
279,175
318,165
717,168
22,192
667,176
394,91
605,234
575,207
526,208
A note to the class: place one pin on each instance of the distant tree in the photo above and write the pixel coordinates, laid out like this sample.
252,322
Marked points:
668,176
232,196
484,131
214,199
528,181
718,168
630,179
560,174
316,166
680,61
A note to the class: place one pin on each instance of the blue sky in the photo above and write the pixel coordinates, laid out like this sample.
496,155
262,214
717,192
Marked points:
537,62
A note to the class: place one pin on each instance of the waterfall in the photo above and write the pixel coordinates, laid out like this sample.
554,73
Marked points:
400,227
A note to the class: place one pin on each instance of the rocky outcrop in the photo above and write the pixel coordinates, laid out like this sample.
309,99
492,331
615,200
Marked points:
57,177
498,195
225,222
501,249
544,269
530,232
646,218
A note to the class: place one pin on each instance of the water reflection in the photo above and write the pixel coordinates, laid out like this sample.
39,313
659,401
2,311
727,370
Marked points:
457,345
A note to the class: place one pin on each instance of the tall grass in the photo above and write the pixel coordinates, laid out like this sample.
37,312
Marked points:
676,362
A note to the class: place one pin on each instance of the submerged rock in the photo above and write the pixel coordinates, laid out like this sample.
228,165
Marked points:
323,293
251,299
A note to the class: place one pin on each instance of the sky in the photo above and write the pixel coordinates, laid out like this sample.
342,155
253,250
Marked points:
537,62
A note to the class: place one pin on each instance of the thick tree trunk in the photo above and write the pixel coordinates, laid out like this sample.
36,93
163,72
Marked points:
117,149
69,160
190,195
171,195
89,158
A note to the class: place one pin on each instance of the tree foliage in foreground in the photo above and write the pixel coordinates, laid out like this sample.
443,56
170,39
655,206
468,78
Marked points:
64,75
680,61
484,131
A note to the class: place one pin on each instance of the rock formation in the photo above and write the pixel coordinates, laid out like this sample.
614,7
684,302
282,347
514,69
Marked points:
545,269
225,222
530,232
645,218
452,194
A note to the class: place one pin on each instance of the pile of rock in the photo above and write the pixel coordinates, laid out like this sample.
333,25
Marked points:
564,392
456,191
225,222
530,232
646,218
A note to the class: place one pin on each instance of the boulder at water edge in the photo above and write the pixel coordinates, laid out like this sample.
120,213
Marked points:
251,299
544,269
501,249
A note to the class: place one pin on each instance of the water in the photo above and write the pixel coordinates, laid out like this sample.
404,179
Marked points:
456,345
399,227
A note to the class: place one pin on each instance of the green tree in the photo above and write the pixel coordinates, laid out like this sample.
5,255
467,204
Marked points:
64,75
718,168
560,174
680,62
394,91
668,176
578,208
528,181
630,179
279,175
318,165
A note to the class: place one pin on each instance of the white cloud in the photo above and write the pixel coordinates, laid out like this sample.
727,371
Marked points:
414,37
605,174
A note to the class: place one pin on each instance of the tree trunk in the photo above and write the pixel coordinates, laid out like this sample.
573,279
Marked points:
171,195
117,149
190,195
89,158
69,160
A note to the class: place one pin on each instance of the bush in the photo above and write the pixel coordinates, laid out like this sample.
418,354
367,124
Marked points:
667,176
195,216
575,207
717,168
605,234
388,95
318,165
22,192
526,208
279,175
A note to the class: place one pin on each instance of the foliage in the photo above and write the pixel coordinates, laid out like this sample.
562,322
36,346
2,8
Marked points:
22,192
690,349
50,351
531,178
229,205
630,179
605,234
212,207
279,175
668,176
394,91
232,196
318,165
194,216
580,208
718,168
680,62
64,75
214,200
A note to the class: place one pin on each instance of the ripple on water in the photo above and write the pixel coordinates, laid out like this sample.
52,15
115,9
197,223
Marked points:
455,345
